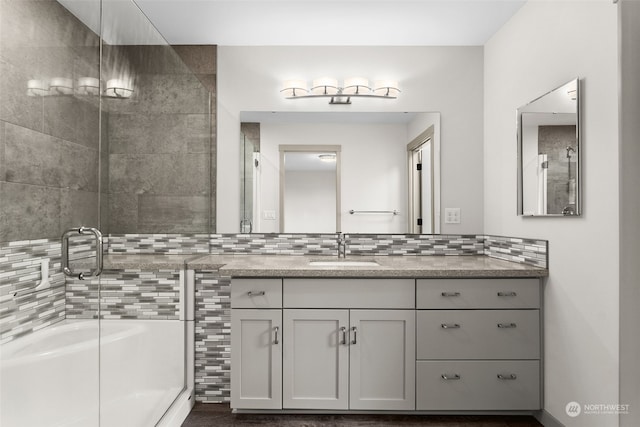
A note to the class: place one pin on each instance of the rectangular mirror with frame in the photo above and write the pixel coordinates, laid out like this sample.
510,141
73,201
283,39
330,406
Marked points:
549,166
377,152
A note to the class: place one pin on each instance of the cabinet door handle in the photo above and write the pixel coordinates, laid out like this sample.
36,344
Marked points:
343,330
450,326
507,377
506,325
256,293
450,377
450,294
275,339
507,294
355,335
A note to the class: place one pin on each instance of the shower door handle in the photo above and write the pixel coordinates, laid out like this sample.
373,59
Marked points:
65,251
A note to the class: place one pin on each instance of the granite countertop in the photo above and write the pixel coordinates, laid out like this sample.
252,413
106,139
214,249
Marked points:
141,261
389,266
298,266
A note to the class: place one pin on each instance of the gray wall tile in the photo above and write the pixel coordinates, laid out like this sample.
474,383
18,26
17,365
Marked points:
2,151
28,212
123,212
170,214
32,157
72,119
15,106
78,208
156,134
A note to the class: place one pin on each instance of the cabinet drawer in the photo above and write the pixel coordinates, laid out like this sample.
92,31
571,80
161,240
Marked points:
478,293
256,293
478,385
478,334
349,293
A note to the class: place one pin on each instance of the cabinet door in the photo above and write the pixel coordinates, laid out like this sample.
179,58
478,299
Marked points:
315,359
256,359
382,359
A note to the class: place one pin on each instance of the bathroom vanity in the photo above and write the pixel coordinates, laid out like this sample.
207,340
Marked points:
401,334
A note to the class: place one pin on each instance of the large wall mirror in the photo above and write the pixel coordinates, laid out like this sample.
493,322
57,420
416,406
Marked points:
354,170
549,154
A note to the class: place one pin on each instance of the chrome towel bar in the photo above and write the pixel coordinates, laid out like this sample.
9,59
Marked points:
394,212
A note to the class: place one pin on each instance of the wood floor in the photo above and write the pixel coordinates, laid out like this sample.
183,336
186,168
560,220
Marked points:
205,415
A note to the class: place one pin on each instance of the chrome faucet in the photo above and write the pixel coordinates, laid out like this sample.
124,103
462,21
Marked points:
342,246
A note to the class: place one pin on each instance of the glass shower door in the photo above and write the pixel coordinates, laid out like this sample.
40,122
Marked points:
49,182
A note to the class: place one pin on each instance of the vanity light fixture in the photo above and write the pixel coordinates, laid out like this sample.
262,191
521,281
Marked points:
118,88
61,86
327,87
37,88
88,86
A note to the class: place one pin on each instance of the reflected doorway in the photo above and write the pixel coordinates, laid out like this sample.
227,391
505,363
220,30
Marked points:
309,188
421,154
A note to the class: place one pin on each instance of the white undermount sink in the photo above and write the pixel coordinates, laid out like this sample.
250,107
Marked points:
343,263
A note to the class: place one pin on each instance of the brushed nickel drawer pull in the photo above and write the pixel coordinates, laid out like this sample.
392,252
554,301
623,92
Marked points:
507,294
355,335
507,325
256,294
343,330
450,294
450,326
450,377
276,340
507,377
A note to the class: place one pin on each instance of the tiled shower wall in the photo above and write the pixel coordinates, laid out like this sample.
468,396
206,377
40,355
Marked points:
160,141
49,145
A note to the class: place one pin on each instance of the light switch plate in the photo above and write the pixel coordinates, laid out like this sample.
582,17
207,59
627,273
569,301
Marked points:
269,215
452,215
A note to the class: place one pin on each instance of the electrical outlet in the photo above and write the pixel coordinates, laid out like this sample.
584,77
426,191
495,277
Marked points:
452,215
269,215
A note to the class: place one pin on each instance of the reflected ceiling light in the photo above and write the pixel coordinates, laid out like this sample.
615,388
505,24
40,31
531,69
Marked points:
37,88
61,86
88,86
327,157
118,88
328,87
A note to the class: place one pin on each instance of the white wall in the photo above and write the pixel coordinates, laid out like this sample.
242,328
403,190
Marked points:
310,205
432,79
373,169
543,46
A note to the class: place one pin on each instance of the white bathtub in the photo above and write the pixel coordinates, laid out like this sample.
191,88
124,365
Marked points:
50,378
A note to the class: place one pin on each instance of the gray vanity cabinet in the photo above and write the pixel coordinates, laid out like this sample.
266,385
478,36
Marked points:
256,344
478,344
349,344
386,344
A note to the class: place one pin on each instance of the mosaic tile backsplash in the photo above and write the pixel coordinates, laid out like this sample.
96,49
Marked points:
213,337
23,309
125,294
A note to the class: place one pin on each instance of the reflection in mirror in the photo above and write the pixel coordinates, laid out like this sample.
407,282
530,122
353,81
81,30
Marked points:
549,154
309,188
374,168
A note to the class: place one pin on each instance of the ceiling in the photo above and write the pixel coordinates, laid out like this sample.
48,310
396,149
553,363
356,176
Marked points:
328,22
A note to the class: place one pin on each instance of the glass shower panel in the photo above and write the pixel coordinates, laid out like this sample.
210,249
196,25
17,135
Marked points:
157,130
49,181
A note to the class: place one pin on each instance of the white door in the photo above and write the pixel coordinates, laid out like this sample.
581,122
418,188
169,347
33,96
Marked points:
256,359
315,359
382,359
